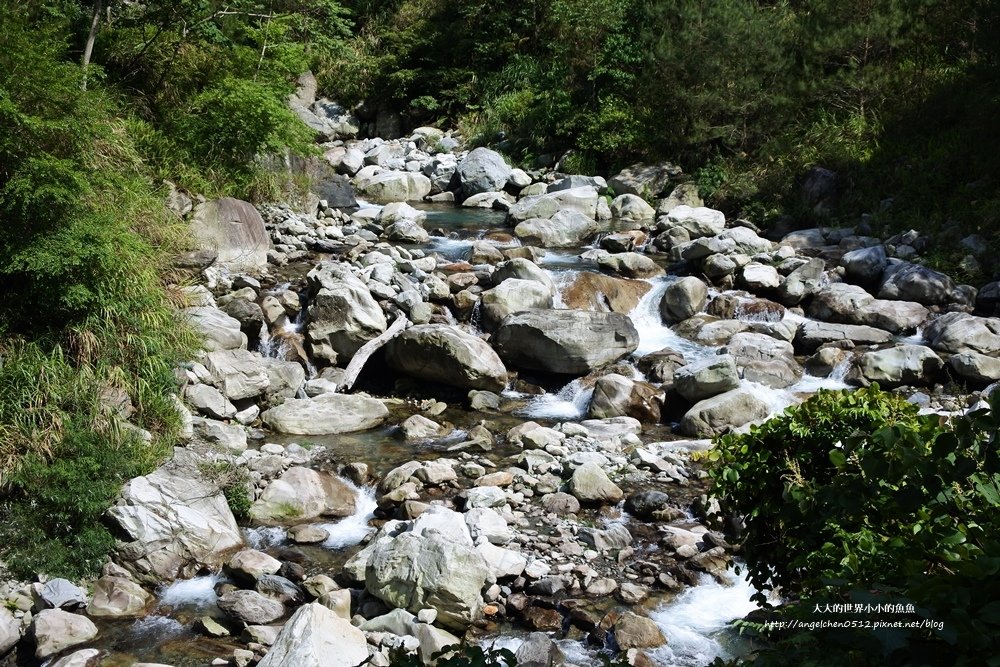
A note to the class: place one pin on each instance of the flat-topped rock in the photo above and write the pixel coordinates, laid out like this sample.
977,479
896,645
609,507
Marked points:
326,414
565,341
811,335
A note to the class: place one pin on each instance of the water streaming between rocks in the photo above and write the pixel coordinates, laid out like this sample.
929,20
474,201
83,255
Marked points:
694,621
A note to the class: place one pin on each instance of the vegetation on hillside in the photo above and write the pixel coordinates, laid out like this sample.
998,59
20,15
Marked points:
853,501
901,98
191,91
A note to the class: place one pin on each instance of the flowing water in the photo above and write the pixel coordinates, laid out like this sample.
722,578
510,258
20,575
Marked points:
696,622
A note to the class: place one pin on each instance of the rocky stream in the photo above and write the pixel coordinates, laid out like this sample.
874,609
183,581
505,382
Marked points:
469,405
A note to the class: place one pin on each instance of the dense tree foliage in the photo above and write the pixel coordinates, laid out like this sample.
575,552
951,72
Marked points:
900,97
192,91
855,498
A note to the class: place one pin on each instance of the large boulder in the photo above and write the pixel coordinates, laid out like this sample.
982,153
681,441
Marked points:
251,607
317,637
326,414
301,494
763,359
219,331
802,282
234,230
511,296
446,354
644,180
56,630
698,222
10,631
616,395
564,229
117,597
600,292
707,377
583,200
682,299
865,266
631,208
630,265
590,484
175,520
242,374
721,413
482,170
394,186
565,341
912,282
959,332
812,335
976,369
428,563
523,269
343,315
904,364
842,302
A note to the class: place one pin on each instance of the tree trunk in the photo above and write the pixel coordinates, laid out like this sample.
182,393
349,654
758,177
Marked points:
91,38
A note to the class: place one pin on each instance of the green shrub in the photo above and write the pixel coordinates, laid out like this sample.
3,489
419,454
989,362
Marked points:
854,497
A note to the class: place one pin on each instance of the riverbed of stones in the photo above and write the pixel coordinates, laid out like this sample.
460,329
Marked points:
566,528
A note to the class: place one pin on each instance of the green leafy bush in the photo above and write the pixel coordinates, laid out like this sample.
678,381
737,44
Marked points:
855,497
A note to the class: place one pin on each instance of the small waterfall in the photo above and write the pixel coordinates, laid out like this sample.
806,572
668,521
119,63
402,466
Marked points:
570,403
194,593
264,537
353,529
654,335
562,280
695,622
476,318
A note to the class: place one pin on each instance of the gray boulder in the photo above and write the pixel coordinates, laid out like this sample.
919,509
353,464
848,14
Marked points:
482,170
582,200
394,186
842,302
577,181
63,594
511,296
317,637
802,282
56,630
812,335
616,395
326,414
523,269
343,315
301,494
976,369
904,364
698,222
564,341
590,484
219,331
865,265
117,597
644,180
682,299
234,230
242,374
763,359
10,631
176,521
912,282
209,401
722,413
429,563
959,332
631,208
446,354
566,228
630,265
707,377
251,607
